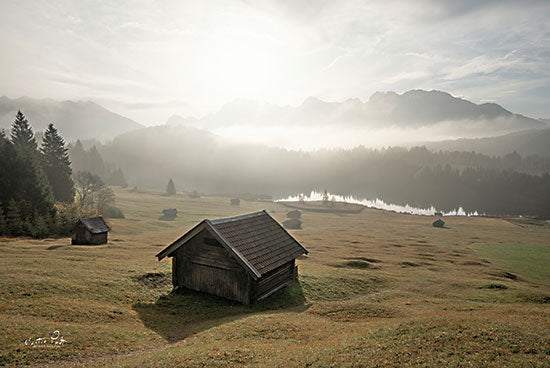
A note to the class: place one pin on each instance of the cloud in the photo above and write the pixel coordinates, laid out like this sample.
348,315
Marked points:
189,51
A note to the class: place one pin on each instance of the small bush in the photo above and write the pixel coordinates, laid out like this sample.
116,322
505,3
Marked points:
113,212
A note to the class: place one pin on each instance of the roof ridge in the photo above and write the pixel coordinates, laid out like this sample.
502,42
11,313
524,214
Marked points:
237,218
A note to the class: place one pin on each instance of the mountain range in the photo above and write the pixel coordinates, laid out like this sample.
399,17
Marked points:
410,110
427,111
74,120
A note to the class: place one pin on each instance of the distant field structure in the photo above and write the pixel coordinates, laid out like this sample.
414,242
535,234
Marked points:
169,214
294,214
90,231
245,258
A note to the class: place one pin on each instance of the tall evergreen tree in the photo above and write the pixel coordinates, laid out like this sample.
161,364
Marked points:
22,135
171,188
117,178
56,164
78,157
96,163
3,227
23,181
14,223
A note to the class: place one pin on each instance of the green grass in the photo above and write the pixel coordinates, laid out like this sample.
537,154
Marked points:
377,289
529,261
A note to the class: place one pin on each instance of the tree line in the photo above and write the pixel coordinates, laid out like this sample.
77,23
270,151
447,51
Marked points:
37,187
510,184
92,161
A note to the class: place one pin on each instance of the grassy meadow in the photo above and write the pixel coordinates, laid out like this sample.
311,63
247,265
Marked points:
377,289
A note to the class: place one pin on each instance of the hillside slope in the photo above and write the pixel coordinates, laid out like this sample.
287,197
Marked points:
74,120
529,142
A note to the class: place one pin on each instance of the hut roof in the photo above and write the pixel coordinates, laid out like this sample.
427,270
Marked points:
258,242
95,225
438,223
294,214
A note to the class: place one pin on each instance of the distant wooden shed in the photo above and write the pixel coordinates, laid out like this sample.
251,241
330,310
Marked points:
439,223
294,214
170,213
244,258
292,224
90,231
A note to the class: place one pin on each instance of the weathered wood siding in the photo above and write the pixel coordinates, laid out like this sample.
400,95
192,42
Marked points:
211,269
275,280
82,236
100,238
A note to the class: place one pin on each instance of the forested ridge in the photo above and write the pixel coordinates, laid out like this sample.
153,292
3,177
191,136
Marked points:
197,160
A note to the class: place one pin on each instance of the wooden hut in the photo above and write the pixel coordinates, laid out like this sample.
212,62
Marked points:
439,223
292,224
244,258
169,214
235,202
294,214
88,231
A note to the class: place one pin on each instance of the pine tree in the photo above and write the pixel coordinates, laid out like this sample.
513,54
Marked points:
56,164
96,163
40,228
23,185
78,157
22,135
14,223
3,227
117,178
171,188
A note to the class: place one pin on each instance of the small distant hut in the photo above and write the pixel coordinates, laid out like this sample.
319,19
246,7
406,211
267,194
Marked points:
294,214
235,202
292,224
438,214
244,258
90,231
169,214
439,223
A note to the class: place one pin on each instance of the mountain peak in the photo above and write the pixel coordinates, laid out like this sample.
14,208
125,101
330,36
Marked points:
73,119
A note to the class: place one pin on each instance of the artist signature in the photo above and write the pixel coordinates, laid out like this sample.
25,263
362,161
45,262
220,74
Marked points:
54,339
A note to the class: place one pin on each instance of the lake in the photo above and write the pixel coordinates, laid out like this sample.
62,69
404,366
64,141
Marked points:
379,204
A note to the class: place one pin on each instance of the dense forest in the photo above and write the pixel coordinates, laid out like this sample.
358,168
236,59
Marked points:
196,159
91,160
39,193
39,185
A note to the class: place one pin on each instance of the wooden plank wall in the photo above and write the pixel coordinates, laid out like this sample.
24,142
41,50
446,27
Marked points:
210,269
273,280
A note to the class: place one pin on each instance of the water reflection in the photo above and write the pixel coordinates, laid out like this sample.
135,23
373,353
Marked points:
379,204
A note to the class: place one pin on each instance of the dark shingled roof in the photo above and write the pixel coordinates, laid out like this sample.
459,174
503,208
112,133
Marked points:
256,239
95,225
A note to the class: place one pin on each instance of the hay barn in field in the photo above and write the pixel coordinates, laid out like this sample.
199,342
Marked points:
294,214
438,223
294,224
90,231
244,258
169,213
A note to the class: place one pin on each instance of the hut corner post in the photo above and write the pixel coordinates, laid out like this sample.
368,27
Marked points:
175,272
252,290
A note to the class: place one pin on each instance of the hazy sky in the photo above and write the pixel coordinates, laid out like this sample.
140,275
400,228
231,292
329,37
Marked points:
149,59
